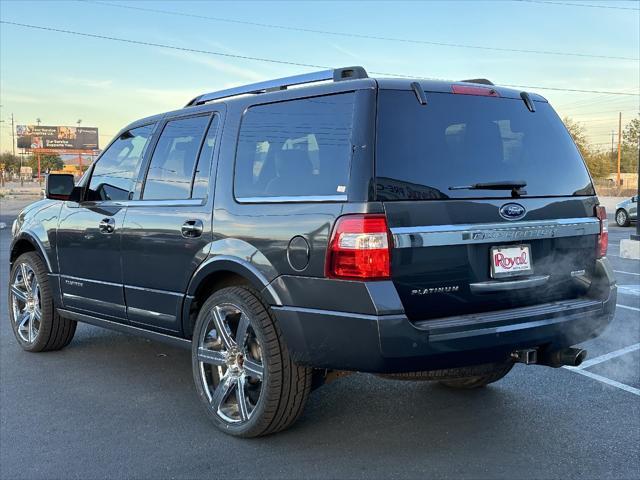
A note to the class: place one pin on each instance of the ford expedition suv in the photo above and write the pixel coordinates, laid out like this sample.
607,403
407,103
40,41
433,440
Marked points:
292,230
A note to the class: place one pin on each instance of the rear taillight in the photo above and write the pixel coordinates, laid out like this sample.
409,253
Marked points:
603,237
359,248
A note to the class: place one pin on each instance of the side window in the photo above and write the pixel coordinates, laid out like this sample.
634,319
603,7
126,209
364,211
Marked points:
115,173
203,170
295,148
174,158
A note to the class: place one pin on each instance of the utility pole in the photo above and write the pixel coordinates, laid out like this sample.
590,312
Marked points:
637,235
612,137
13,136
619,146
21,161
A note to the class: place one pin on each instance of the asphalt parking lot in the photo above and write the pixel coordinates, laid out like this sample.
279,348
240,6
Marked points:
114,406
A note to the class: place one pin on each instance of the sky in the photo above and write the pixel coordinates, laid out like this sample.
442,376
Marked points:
61,78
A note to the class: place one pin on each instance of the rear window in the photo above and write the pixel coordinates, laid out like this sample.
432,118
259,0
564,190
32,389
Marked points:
299,148
173,161
458,140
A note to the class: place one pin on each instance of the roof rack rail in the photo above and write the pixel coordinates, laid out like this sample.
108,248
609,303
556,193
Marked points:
481,81
337,75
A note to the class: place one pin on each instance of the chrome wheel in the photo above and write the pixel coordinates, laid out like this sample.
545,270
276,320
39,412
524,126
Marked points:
621,218
231,364
25,303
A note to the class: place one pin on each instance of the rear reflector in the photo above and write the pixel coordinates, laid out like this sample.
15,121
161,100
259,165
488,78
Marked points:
603,237
359,248
469,90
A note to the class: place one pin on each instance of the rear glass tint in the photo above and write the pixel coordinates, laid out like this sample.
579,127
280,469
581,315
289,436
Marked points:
172,164
298,148
459,140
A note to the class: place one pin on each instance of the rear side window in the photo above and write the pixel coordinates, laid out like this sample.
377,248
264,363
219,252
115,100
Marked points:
173,162
114,175
299,148
461,140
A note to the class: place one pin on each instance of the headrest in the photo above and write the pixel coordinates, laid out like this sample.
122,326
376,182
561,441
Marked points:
293,163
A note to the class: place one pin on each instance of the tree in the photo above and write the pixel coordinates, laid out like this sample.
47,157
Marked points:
597,162
577,132
9,162
630,145
48,162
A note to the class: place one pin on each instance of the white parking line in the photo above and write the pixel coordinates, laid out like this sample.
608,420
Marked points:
608,381
627,273
607,356
628,307
629,290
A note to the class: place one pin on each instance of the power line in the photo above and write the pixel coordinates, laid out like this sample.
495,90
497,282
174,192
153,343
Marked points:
354,35
270,60
621,108
568,4
596,100
589,114
600,122
160,45
569,89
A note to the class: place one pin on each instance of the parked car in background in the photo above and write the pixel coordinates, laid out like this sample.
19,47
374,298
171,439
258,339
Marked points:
627,211
422,230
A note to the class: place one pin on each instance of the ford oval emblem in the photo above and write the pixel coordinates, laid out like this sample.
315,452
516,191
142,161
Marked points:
512,211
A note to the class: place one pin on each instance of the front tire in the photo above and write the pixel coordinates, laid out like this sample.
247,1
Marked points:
242,370
622,218
35,322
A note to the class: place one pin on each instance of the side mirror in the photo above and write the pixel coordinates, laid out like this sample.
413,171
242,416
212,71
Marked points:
634,199
59,186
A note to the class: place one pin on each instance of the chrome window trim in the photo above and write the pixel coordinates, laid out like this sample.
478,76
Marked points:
443,235
293,199
187,202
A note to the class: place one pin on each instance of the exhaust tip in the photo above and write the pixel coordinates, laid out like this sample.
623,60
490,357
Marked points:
579,357
572,357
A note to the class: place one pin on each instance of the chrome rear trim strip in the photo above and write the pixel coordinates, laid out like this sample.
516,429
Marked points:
442,235
504,286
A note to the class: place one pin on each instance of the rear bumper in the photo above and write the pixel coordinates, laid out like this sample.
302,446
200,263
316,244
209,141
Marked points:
392,343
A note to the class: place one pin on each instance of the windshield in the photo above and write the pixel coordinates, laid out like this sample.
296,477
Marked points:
425,151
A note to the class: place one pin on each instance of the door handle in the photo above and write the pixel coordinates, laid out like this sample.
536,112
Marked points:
192,228
107,225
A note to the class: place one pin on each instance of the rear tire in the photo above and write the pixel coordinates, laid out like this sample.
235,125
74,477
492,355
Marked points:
34,319
477,381
242,369
622,218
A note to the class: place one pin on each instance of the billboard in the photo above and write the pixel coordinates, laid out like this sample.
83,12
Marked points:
41,136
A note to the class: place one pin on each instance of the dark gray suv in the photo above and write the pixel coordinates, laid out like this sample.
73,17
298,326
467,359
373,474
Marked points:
423,230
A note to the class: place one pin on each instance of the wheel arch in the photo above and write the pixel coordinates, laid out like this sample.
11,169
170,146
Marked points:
220,272
25,242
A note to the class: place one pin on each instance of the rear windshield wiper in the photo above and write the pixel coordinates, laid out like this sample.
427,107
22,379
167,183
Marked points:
514,185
